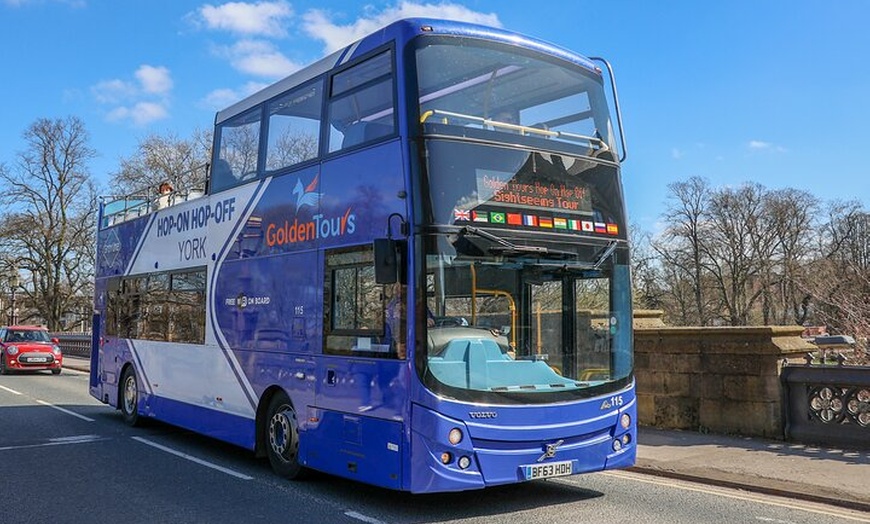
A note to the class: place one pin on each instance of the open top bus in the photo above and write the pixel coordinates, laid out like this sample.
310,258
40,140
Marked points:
407,266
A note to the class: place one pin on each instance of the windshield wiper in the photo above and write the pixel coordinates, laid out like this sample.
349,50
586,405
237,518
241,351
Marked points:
507,248
605,254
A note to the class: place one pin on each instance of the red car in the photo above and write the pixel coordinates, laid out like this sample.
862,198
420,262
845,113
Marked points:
28,348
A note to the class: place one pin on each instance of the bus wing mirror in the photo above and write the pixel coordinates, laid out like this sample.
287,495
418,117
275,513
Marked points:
386,261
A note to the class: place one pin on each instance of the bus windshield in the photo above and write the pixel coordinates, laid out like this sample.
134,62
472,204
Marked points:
523,328
470,86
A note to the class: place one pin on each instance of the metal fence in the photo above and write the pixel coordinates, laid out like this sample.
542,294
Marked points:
76,344
827,405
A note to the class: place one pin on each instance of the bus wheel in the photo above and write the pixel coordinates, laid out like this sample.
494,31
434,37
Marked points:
129,401
283,438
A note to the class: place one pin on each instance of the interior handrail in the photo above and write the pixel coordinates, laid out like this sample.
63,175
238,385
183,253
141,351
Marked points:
602,145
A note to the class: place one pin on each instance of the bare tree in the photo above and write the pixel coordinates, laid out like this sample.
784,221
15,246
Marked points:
681,247
648,290
738,248
793,214
181,162
48,225
839,281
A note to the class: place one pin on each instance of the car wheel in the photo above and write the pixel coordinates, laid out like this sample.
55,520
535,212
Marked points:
3,370
282,438
56,371
129,397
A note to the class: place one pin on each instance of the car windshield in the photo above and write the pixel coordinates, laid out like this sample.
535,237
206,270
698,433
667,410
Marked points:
27,335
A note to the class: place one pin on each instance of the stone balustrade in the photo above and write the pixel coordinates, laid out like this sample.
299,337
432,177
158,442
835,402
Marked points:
718,379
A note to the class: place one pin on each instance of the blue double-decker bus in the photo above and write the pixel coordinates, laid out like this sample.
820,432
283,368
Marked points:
408,265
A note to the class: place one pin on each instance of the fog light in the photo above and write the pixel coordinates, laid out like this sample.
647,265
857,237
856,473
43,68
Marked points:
617,445
446,458
464,462
625,420
455,436
626,439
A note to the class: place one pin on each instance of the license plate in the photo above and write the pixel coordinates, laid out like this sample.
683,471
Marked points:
37,359
550,469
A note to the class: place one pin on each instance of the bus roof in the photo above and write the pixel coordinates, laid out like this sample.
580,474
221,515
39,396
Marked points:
403,30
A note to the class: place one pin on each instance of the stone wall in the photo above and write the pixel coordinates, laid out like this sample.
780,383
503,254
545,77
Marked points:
722,379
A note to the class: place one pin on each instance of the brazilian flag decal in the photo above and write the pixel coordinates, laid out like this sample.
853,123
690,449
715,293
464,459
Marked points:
496,218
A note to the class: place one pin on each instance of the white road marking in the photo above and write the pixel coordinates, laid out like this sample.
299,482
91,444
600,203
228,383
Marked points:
193,459
769,500
360,516
63,410
4,388
78,439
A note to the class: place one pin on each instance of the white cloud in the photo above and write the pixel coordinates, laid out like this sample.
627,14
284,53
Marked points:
261,18
113,91
676,154
318,25
223,98
140,100
759,145
258,57
156,80
141,113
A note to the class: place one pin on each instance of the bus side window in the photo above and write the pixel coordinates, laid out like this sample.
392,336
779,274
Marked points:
354,323
238,148
294,127
361,106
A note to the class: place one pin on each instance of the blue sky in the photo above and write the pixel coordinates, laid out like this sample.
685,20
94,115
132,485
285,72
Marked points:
773,91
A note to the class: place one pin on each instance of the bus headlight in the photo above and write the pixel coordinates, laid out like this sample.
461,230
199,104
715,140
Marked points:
464,462
625,420
446,458
455,436
617,445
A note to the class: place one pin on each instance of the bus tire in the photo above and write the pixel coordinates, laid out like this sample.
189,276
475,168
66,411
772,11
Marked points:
282,438
128,397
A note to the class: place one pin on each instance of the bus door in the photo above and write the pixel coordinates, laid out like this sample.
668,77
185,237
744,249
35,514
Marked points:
360,389
566,322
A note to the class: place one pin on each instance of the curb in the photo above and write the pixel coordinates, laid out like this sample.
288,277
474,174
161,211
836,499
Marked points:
77,364
757,487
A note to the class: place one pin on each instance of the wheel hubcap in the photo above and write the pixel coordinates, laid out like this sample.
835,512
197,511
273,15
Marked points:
281,434
130,394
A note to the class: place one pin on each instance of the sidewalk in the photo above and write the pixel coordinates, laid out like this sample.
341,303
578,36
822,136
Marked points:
77,363
829,476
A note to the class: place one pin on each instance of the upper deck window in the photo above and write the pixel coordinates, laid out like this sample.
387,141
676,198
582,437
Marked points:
362,103
294,127
237,151
512,95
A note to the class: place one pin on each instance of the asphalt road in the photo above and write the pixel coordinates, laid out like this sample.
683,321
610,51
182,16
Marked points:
64,457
